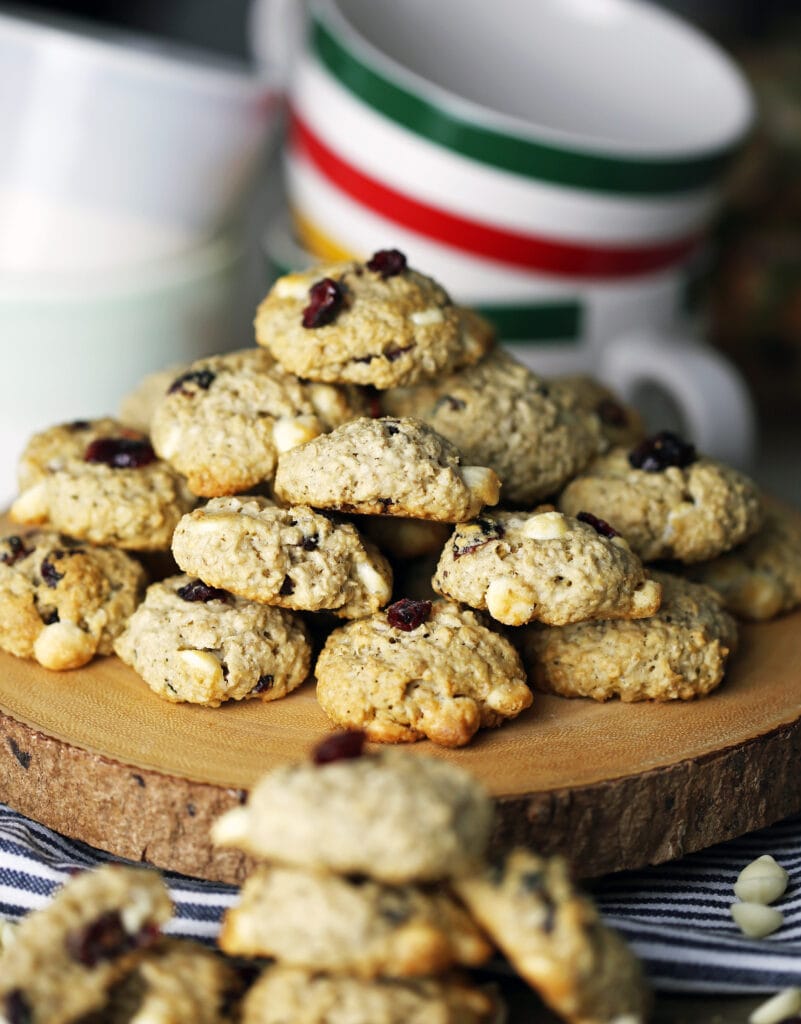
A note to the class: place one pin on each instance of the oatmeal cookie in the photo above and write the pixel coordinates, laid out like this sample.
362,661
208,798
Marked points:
554,937
350,925
678,653
191,642
762,577
544,566
62,602
621,424
667,501
500,414
284,994
378,323
291,557
137,407
386,466
224,421
101,482
65,957
420,670
390,816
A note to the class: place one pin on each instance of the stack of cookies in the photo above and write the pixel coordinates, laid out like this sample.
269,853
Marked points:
376,460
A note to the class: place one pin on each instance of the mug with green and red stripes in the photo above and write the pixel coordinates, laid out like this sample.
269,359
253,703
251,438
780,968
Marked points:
538,157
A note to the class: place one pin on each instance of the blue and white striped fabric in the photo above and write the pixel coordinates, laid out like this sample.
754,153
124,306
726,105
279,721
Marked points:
675,916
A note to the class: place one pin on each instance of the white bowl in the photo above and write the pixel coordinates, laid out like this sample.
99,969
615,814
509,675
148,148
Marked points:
74,346
116,151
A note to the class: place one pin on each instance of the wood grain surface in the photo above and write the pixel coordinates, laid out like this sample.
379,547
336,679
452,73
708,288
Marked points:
94,754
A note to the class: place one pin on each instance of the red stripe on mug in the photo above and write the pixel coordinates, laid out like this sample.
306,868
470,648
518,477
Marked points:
534,252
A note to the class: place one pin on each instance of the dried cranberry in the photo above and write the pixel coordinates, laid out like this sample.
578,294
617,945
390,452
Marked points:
387,262
599,525
16,1008
454,404
18,550
203,379
310,543
265,683
407,614
50,574
326,301
77,425
197,590
341,746
484,531
394,352
611,413
103,939
121,452
374,404
660,451
49,616
287,587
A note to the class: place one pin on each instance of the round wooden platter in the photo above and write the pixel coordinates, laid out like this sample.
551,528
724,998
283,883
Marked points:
94,754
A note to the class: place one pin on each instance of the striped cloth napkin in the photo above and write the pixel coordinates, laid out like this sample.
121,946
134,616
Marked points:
675,916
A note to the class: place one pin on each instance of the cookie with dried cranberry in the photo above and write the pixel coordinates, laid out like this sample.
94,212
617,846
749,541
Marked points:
99,481
378,323
283,994
350,925
291,557
386,466
762,577
621,424
191,642
420,670
62,602
137,407
500,414
544,566
554,937
668,501
66,956
677,654
224,421
386,815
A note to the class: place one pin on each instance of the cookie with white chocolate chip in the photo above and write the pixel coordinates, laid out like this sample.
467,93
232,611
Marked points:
291,557
544,566
191,642
387,466
62,602
378,323
224,421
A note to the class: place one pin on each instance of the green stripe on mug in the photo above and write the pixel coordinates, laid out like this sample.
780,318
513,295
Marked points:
546,322
592,171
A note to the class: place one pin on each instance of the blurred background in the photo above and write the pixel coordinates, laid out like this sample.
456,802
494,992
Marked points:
170,262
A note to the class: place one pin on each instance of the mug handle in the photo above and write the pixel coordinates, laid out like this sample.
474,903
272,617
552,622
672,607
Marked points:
710,394
276,29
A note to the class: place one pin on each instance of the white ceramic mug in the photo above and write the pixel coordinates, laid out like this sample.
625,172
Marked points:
554,164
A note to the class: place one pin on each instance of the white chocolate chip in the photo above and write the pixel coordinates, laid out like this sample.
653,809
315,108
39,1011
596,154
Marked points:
8,933
761,881
546,526
32,505
372,581
292,286
170,443
63,645
204,667
782,1006
482,482
231,828
137,910
427,317
289,433
508,603
755,919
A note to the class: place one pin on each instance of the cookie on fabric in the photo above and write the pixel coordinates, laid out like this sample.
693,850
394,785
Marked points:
290,557
677,654
387,466
544,566
62,602
350,925
379,323
285,994
224,421
420,670
762,577
667,501
100,481
195,643
390,816
500,414
66,956
620,423
555,939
